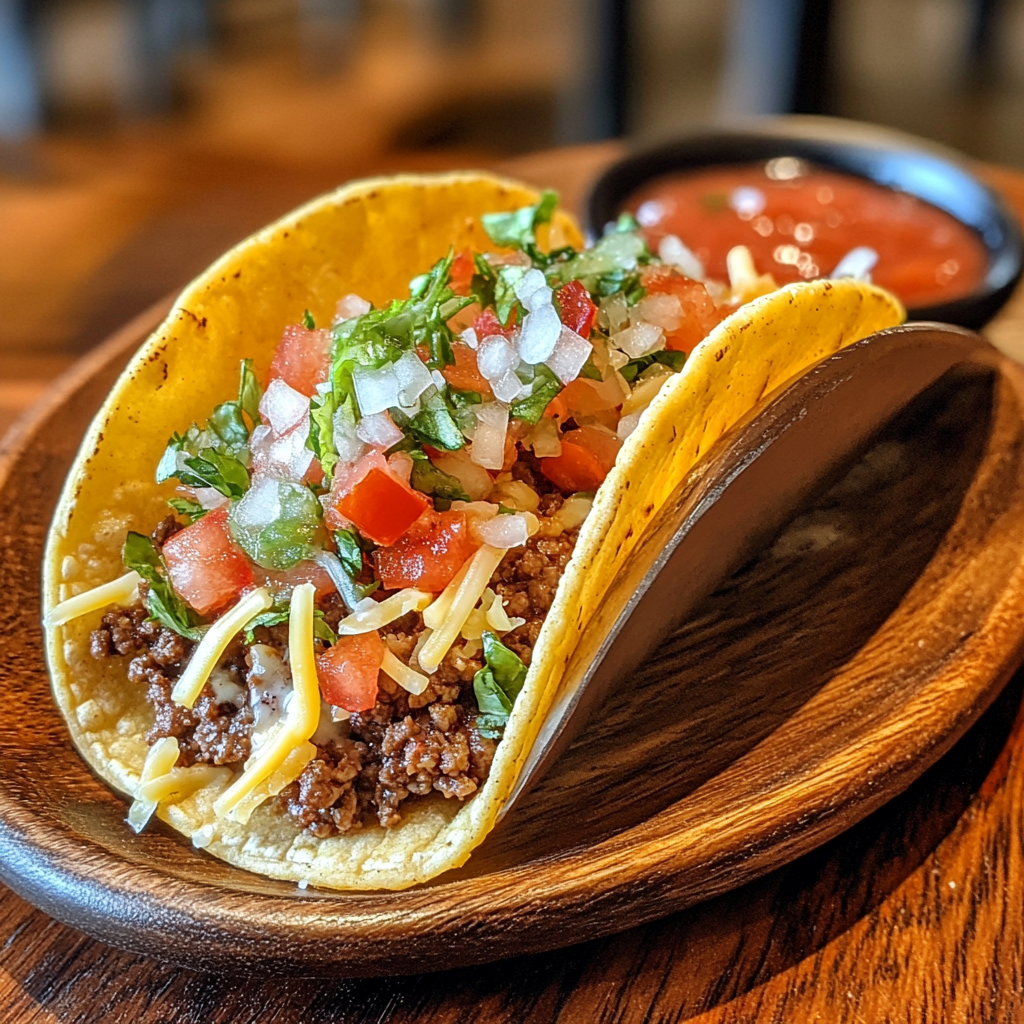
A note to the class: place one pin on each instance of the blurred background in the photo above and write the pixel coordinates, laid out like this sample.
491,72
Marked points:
140,138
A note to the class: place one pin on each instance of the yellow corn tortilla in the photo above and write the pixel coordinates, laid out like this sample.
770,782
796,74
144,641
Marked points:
371,238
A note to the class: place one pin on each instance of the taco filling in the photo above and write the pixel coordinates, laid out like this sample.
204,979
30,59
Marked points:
424,469
318,628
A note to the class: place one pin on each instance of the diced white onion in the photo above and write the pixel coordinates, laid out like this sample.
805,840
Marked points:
613,312
628,424
475,480
351,306
504,531
437,377
644,393
261,504
495,356
515,494
282,406
672,251
539,334
349,447
401,465
532,290
379,430
413,378
469,337
507,387
638,340
664,311
616,359
210,498
857,263
569,355
489,440
544,439
377,390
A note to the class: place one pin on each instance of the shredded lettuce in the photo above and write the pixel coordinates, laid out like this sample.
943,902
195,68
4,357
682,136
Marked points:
515,230
217,454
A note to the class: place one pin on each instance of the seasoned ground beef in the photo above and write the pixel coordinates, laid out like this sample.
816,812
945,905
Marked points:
407,745
527,580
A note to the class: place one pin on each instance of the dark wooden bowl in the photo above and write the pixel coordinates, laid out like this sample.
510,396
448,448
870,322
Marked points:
811,687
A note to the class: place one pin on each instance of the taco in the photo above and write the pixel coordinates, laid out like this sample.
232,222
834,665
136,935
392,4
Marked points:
351,590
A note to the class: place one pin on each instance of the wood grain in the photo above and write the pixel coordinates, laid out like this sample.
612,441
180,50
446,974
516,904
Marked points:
867,928
856,650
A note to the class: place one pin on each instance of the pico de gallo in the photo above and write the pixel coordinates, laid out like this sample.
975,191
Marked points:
362,548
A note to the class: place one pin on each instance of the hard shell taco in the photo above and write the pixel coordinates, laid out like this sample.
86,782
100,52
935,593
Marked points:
318,629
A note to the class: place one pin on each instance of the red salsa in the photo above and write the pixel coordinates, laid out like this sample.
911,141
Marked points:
799,221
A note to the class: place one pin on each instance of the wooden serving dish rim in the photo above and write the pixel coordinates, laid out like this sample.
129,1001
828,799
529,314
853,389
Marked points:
669,862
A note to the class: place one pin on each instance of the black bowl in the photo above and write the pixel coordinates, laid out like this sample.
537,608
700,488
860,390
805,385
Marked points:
888,158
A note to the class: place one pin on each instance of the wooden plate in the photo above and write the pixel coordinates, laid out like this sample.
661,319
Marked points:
813,686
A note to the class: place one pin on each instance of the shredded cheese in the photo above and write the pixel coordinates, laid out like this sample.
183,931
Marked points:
205,657
477,576
159,761
406,677
373,615
179,783
285,752
435,614
288,771
118,591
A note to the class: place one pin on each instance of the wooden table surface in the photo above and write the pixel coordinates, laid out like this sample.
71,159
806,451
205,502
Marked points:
916,914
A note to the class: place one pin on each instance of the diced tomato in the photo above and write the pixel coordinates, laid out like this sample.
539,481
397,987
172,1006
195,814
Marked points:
432,551
700,314
381,506
464,375
587,455
487,324
302,359
575,308
462,272
348,671
557,408
205,565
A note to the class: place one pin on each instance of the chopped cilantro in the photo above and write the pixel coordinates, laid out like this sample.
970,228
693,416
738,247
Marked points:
434,425
531,407
276,616
428,479
191,510
351,592
505,301
162,603
308,322
673,360
350,552
497,686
